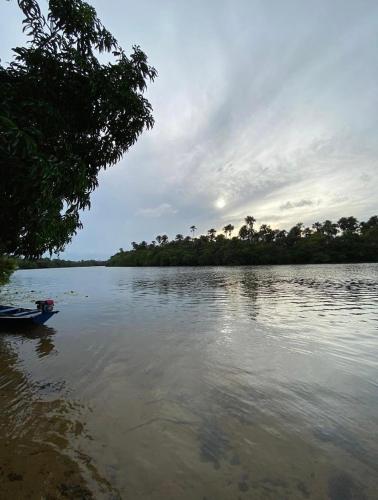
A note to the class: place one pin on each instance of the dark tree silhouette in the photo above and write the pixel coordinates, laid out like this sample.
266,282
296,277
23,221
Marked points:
243,232
228,230
370,225
348,224
295,233
324,244
265,234
211,232
329,229
249,223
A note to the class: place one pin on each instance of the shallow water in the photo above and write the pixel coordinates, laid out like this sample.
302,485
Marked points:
193,383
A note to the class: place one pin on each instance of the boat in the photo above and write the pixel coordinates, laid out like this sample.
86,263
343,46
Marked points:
21,315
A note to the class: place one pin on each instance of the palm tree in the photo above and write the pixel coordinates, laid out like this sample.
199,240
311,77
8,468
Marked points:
179,237
249,221
164,239
158,239
228,230
192,230
211,233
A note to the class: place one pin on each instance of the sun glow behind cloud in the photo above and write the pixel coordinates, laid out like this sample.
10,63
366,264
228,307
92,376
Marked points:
220,203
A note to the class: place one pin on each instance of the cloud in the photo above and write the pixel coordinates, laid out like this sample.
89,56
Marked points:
267,107
159,211
296,204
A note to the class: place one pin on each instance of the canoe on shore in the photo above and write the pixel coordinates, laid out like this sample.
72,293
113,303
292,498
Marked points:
21,315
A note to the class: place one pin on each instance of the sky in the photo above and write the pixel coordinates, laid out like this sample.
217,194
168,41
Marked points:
262,107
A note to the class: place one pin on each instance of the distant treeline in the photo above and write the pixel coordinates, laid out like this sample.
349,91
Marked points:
348,240
47,263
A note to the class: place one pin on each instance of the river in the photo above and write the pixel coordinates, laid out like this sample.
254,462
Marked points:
192,383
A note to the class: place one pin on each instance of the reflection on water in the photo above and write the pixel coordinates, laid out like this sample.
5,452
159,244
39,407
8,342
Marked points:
41,333
38,427
190,383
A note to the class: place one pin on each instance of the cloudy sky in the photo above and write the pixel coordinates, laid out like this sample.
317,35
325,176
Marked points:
263,107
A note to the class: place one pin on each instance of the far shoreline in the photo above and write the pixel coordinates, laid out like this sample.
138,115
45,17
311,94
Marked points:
205,266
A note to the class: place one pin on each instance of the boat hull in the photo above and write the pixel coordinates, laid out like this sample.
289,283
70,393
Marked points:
43,317
24,316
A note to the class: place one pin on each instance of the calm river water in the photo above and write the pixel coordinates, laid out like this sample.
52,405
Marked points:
193,383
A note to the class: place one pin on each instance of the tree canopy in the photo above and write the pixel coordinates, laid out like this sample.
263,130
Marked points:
325,242
64,116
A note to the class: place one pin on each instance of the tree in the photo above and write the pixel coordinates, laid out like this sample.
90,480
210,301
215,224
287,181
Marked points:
281,236
179,237
249,222
294,234
266,233
243,232
228,230
371,224
164,239
329,229
64,116
299,245
158,239
7,266
211,233
369,233
307,232
348,224
193,229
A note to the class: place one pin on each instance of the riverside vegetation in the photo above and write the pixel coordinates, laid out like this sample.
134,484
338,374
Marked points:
9,264
65,114
51,263
348,240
